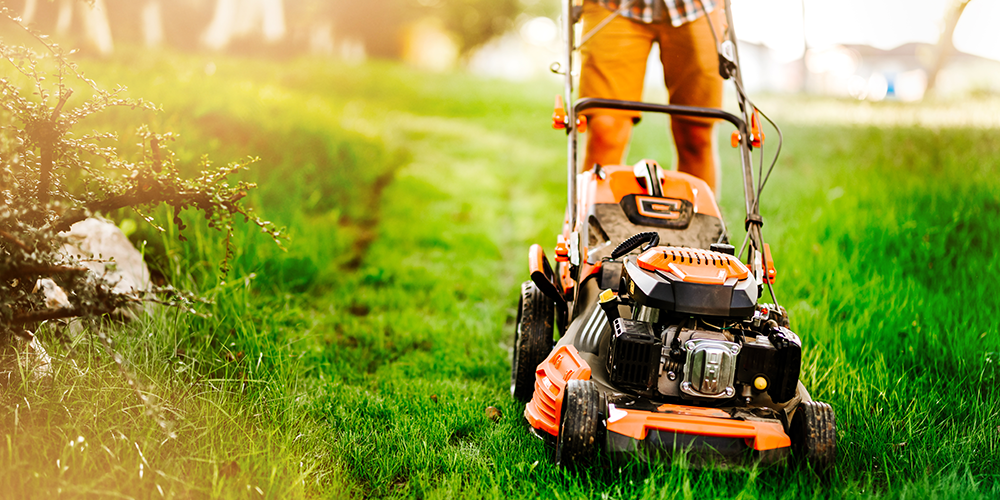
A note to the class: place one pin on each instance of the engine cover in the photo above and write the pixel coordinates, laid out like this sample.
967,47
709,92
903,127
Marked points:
690,280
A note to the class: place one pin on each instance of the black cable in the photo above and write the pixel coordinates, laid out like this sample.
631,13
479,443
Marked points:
777,153
774,161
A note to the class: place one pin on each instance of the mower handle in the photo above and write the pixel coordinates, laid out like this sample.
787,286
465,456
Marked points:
670,109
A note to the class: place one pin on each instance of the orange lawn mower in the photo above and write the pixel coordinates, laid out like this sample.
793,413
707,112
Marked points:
664,344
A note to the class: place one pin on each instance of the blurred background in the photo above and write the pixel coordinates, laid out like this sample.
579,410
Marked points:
902,50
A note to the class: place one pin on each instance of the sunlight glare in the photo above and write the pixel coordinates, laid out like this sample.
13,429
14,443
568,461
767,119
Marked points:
539,31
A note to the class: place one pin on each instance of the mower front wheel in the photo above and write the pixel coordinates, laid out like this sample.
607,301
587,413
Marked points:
532,339
579,423
814,435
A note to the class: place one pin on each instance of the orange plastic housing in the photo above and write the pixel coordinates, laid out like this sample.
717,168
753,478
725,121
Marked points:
612,183
536,259
770,274
620,182
562,249
559,114
562,365
699,421
694,265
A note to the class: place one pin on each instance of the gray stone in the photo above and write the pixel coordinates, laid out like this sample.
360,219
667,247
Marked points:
106,251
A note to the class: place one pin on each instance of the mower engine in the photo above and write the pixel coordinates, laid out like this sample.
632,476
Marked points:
696,332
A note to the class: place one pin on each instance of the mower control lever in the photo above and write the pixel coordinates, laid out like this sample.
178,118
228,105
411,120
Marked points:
634,241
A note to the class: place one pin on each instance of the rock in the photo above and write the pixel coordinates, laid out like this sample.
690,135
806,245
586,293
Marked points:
106,251
101,247
55,296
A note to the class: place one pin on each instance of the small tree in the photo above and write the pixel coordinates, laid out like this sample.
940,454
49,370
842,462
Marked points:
50,178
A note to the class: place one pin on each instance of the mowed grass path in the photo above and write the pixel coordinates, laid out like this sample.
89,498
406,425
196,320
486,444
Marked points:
361,362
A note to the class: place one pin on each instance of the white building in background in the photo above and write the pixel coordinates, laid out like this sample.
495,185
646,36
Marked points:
868,73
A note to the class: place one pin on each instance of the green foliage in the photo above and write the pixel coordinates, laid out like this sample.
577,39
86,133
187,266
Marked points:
52,178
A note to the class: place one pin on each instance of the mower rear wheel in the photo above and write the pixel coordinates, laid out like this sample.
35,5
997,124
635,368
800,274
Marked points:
579,423
532,339
814,434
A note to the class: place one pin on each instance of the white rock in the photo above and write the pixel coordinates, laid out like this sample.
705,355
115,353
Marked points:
97,243
55,297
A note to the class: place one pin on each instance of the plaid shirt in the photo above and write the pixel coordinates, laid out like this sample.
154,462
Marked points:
652,11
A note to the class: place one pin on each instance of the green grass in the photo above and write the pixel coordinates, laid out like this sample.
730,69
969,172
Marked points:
360,362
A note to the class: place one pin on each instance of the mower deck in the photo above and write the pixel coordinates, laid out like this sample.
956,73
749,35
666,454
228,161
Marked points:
639,426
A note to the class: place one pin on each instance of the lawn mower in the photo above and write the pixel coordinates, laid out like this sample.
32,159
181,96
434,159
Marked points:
665,345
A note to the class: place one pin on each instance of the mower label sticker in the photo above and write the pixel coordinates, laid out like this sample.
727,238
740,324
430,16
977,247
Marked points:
658,208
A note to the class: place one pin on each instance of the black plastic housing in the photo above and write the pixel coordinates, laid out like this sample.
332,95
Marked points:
634,357
658,291
779,366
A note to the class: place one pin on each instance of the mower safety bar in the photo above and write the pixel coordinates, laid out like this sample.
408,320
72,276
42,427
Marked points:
670,109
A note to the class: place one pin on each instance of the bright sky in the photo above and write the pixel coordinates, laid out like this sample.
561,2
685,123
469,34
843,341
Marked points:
881,23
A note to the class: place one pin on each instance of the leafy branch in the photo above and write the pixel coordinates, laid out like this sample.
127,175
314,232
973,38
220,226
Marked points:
51,178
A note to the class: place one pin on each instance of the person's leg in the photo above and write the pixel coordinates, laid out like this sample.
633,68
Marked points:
607,137
613,67
696,149
691,72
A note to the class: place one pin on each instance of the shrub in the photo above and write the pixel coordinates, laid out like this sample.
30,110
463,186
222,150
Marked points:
51,177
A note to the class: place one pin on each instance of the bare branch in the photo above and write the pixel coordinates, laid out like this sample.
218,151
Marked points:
42,270
49,314
11,238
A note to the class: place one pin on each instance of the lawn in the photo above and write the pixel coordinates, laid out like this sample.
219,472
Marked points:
359,361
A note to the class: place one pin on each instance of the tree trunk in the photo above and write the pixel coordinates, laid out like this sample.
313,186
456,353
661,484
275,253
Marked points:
64,20
220,31
245,17
945,45
94,18
96,26
30,7
273,12
152,23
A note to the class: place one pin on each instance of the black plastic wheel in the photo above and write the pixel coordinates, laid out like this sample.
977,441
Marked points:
532,339
579,423
814,435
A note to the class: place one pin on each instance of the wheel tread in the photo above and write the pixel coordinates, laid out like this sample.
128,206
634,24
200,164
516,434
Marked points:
532,339
579,423
814,434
